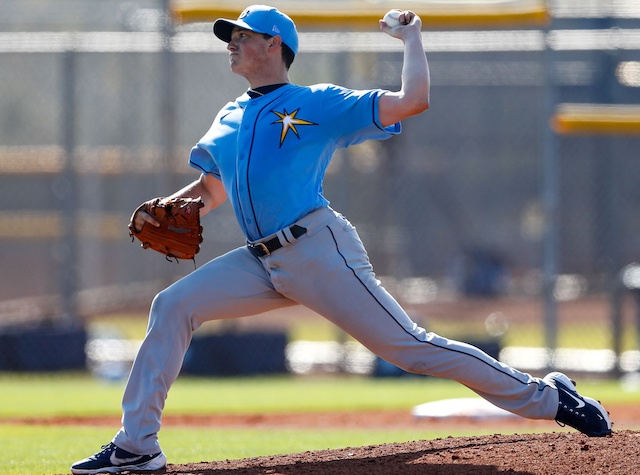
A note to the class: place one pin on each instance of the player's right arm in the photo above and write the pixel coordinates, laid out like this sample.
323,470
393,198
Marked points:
413,96
207,187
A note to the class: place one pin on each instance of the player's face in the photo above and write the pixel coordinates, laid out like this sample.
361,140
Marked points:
247,52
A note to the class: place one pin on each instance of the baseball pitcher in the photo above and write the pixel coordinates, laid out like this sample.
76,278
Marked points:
267,152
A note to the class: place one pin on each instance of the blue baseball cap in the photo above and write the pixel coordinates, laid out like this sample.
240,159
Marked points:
261,19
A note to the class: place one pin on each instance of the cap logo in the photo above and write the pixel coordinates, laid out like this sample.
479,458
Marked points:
244,14
275,29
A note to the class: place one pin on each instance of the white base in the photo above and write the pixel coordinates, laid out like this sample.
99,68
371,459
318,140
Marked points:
476,408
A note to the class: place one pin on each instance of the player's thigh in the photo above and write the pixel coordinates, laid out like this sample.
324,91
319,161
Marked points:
335,279
230,286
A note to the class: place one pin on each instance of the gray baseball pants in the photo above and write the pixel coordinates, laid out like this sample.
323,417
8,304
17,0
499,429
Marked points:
327,270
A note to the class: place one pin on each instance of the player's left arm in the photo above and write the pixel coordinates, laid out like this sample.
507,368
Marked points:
208,188
413,96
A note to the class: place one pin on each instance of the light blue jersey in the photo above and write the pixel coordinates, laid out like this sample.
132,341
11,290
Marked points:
271,152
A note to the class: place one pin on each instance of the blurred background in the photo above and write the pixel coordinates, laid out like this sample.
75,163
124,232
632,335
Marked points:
487,223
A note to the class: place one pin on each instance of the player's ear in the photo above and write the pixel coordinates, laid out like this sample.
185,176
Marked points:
275,41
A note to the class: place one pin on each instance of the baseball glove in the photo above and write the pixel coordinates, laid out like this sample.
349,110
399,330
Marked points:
179,234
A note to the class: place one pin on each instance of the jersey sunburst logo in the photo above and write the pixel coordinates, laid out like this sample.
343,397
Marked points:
289,122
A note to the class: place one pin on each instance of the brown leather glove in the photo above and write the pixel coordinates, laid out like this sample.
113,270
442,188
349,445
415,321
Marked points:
179,235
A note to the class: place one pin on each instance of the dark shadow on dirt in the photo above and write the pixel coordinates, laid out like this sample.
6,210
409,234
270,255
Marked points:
452,460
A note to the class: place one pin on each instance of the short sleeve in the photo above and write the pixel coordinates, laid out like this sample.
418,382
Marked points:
200,159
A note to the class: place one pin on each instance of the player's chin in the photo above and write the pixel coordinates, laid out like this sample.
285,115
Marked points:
234,64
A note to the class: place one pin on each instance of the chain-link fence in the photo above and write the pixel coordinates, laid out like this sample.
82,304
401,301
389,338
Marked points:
99,113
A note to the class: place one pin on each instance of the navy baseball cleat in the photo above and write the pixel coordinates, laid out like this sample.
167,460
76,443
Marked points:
112,459
582,413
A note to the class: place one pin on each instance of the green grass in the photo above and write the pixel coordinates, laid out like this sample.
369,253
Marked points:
81,395
49,449
55,447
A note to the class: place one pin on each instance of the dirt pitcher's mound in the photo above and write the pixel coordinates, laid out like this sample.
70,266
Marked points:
530,454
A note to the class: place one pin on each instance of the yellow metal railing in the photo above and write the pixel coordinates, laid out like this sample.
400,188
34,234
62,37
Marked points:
360,14
596,119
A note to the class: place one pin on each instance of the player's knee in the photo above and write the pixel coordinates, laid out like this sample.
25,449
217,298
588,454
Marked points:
410,365
165,309
417,367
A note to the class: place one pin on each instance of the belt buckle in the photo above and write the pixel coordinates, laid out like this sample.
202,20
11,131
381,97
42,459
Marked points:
264,248
261,245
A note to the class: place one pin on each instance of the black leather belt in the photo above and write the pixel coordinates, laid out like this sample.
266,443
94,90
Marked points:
265,248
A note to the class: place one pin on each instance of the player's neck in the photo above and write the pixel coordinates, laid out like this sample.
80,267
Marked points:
281,77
